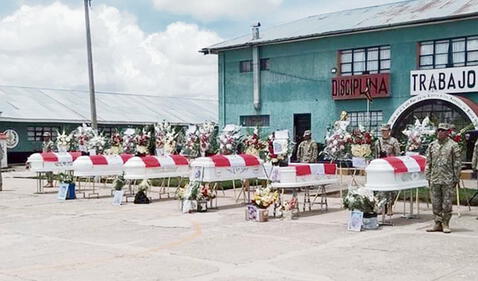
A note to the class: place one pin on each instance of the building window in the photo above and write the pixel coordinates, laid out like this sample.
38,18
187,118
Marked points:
360,118
255,120
264,64
369,60
37,133
246,65
453,52
107,131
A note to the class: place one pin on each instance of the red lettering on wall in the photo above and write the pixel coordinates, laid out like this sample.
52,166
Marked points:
353,87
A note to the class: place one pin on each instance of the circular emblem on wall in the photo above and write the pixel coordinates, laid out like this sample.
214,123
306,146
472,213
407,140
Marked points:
12,138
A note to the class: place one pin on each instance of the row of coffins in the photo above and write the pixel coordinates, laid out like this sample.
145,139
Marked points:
392,173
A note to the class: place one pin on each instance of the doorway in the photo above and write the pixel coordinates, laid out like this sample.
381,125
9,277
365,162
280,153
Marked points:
302,122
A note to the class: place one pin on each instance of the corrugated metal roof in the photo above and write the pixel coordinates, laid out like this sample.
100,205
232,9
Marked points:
369,18
73,106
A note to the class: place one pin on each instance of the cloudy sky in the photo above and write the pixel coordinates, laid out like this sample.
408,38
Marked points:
139,46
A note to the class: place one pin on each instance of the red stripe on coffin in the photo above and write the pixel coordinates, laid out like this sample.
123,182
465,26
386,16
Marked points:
302,170
151,162
330,169
397,164
250,160
49,157
179,160
98,160
125,157
74,155
422,161
220,161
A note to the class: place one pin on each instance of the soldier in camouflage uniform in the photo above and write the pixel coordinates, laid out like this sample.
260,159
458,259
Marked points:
443,173
387,146
474,161
48,146
307,151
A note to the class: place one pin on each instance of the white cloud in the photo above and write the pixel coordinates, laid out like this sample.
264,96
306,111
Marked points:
218,9
45,46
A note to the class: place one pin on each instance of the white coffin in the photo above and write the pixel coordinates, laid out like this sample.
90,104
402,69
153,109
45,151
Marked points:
206,169
408,172
99,165
52,161
167,166
317,172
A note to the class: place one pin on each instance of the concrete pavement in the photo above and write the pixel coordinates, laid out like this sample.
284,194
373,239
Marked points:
42,238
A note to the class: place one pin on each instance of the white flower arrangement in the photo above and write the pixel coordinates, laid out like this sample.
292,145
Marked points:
363,200
97,142
206,133
338,141
63,141
141,141
254,145
165,137
82,136
229,139
191,145
419,134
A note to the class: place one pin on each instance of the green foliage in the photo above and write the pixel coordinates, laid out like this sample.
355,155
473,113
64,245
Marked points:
362,200
66,178
118,183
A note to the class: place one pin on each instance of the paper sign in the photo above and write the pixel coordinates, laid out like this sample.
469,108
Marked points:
284,134
118,197
355,221
359,162
280,146
62,191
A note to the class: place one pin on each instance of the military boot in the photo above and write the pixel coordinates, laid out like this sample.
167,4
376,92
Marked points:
446,228
436,227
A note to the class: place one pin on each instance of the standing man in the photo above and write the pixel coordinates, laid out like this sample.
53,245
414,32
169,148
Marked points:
307,151
386,145
48,146
443,173
474,162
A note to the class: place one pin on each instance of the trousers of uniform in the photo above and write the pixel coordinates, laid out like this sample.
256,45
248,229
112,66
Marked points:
49,177
442,195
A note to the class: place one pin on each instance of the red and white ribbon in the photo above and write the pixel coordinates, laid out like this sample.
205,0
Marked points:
241,160
60,157
164,161
314,169
407,164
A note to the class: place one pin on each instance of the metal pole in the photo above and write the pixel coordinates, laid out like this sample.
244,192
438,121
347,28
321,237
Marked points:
94,123
368,115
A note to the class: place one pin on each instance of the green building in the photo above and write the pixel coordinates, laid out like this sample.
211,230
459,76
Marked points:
26,114
417,58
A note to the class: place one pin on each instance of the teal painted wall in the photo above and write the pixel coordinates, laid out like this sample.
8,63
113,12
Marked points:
299,79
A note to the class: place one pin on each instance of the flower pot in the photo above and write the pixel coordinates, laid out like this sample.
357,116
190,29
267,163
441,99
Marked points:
289,214
254,213
118,197
370,221
202,205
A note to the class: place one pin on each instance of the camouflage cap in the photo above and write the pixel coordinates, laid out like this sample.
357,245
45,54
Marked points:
307,133
443,126
385,127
